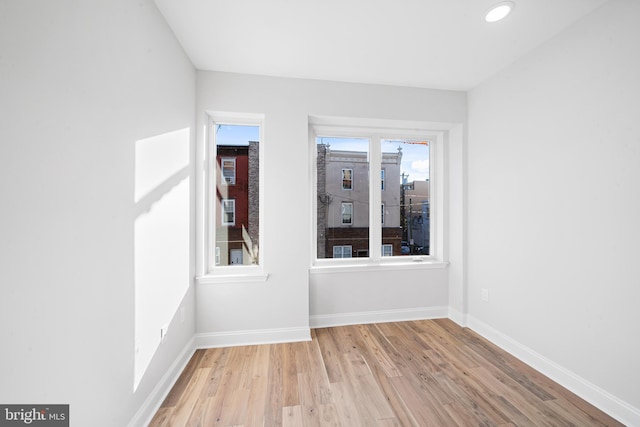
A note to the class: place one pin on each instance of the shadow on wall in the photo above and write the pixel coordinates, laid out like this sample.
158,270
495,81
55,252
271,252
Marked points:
161,239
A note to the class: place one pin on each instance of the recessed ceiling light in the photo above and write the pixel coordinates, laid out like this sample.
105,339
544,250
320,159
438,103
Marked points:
499,11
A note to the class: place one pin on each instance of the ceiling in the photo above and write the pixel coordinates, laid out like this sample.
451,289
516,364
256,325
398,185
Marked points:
442,44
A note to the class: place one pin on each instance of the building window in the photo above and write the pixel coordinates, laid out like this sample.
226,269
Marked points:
228,212
342,251
347,213
387,250
394,172
347,179
232,213
228,171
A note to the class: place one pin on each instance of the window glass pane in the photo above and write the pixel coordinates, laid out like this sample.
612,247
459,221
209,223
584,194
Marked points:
236,194
342,196
406,196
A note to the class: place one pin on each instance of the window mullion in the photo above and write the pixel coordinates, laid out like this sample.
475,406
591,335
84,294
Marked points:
375,197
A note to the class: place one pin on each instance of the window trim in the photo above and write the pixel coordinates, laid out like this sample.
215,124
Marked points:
379,129
206,271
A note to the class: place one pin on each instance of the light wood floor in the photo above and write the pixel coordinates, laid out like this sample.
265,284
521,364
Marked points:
422,373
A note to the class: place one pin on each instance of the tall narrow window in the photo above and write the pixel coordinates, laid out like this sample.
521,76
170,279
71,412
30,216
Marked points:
233,195
228,212
228,171
347,213
347,181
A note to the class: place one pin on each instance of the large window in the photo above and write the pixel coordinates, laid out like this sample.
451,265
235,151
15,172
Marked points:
358,168
233,193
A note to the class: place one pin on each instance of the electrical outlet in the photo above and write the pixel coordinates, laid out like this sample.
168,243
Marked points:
163,332
485,294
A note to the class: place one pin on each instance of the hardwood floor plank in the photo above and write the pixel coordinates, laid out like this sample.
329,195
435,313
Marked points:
274,403
189,398
216,358
377,349
291,397
421,373
330,353
292,416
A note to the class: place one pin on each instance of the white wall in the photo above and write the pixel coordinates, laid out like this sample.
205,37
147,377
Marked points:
81,83
553,207
290,296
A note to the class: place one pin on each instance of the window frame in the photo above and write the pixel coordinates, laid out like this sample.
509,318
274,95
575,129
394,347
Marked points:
208,272
376,130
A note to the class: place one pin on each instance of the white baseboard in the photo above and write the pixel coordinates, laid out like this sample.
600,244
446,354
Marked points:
252,337
458,317
152,403
364,317
605,401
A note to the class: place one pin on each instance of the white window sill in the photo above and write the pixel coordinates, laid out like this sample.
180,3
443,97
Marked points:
233,277
409,264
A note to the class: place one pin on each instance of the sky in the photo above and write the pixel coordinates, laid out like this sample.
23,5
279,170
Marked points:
237,134
415,157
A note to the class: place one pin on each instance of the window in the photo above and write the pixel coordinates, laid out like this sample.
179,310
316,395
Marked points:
347,213
233,208
398,163
387,250
228,212
228,171
342,251
347,181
